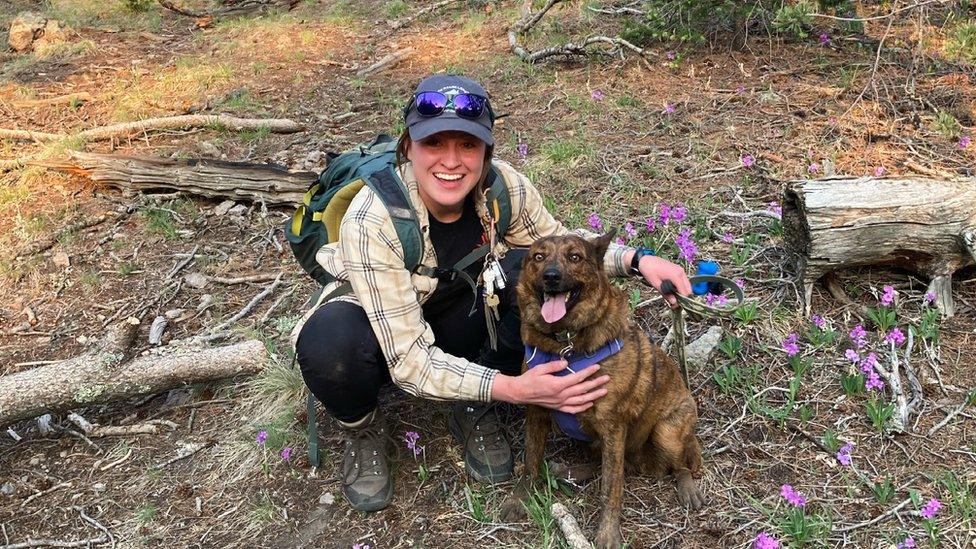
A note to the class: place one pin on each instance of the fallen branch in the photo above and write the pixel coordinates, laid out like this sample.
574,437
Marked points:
32,497
247,308
100,376
968,400
182,122
70,98
397,25
569,527
386,62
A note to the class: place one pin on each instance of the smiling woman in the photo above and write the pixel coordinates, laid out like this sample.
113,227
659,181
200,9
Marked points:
420,328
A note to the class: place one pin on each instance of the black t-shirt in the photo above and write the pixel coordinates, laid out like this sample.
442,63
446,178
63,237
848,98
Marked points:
452,241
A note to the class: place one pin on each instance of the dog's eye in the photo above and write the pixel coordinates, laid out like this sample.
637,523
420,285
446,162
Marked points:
575,258
538,256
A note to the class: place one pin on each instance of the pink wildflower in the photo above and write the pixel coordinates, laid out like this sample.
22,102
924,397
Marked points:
630,230
844,454
879,171
651,224
776,208
824,39
678,212
813,167
286,453
852,355
888,296
908,543
929,298
931,509
964,142
262,436
727,237
741,283
859,336
594,221
895,336
665,214
748,160
597,95
523,151
668,108
819,321
790,345
795,498
765,541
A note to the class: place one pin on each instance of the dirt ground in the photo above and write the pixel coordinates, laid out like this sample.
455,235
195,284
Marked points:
611,135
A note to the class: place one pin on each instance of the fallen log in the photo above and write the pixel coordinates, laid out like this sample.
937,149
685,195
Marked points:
200,176
100,376
926,226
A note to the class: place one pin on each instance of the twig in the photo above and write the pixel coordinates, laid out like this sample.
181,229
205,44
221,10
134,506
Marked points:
397,25
185,452
955,412
181,11
875,520
55,543
386,62
94,523
247,308
181,265
874,68
569,527
263,277
876,17
43,245
45,492
79,97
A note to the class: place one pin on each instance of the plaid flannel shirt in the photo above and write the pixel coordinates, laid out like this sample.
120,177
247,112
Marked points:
369,255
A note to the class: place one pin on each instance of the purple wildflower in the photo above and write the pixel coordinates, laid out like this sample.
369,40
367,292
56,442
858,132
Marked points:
686,245
867,365
879,171
670,55
765,541
630,230
852,355
819,321
678,212
931,509
790,344
651,224
832,120
908,543
594,221
286,453
619,242
874,382
775,208
523,151
824,39
668,108
741,283
748,160
888,296
844,454
361,546
895,336
964,142
721,300
859,336
813,167
597,95
709,299
412,437
727,237
740,89
795,498
665,214
262,436
929,298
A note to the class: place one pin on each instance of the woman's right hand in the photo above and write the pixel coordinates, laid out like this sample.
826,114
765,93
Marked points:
572,393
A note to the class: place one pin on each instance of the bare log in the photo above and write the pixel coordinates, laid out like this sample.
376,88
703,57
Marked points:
922,225
569,527
204,177
100,376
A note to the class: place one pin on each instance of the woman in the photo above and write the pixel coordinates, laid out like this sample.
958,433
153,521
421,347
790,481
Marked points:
418,331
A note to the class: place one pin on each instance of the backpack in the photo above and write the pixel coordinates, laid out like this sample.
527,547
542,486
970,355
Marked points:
316,223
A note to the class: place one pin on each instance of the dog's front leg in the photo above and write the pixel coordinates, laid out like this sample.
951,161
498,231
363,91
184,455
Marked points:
536,430
612,487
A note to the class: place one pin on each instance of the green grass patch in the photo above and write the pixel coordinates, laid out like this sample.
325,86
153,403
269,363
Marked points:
961,42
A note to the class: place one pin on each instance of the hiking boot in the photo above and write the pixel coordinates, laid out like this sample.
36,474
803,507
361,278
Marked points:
487,454
366,480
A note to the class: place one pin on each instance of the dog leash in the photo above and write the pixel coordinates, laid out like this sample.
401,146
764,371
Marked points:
698,308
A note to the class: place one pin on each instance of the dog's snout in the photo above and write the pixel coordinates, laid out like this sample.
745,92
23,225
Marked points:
552,275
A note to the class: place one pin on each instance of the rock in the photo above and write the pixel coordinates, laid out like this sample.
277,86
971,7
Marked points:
8,489
156,330
237,210
196,280
24,29
99,487
205,301
173,314
44,424
61,259
327,499
700,350
224,207
36,460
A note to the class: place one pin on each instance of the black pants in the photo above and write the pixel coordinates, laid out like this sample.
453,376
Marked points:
344,368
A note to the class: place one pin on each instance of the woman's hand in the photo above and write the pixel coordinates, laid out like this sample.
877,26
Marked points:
656,270
572,393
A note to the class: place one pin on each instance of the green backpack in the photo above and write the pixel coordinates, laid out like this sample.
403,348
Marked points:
316,223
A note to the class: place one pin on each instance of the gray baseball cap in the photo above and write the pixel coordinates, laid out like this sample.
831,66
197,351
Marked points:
450,85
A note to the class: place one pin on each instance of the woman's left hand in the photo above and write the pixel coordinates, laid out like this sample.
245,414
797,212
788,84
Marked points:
656,270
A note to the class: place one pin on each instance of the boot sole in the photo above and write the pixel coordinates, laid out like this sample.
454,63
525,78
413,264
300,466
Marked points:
495,477
373,505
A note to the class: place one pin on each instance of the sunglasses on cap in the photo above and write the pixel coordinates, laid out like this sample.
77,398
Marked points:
465,105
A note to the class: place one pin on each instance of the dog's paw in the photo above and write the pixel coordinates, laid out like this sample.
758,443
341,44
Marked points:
688,493
608,538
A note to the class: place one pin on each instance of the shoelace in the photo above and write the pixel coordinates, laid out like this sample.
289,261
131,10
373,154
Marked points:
488,429
359,443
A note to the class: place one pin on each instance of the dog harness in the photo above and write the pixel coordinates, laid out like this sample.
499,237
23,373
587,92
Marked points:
568,423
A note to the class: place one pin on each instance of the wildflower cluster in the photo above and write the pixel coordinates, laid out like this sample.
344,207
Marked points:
844,454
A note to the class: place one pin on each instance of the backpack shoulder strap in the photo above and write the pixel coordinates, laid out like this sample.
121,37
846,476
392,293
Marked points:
391,191
499,201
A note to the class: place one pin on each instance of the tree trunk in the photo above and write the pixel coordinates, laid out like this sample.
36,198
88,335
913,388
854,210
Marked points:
922,225
204,177
99,376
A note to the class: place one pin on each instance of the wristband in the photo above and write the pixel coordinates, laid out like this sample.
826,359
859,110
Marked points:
635,261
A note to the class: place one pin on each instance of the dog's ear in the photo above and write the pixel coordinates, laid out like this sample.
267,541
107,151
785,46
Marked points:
601,243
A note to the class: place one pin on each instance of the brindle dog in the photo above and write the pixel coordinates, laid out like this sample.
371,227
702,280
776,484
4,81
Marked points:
648,416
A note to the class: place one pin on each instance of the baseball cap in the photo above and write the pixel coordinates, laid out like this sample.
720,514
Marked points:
420,127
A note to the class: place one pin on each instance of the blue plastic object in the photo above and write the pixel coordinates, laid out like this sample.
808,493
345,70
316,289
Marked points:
704,268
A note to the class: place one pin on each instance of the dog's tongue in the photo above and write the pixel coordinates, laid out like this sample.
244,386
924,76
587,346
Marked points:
554,307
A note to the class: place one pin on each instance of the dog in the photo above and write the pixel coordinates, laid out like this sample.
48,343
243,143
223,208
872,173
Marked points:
647,418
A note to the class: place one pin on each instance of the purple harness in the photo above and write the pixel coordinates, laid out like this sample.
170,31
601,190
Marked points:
568,423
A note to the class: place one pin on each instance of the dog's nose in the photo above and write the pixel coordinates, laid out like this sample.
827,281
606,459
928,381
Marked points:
552,275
